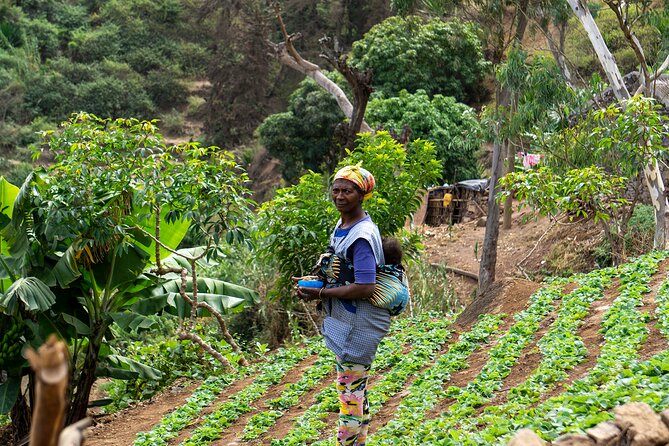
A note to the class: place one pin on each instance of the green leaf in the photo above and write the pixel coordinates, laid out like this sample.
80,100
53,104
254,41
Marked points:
143,370
9,392
116,373
81,327
171,234
32,292
129,321
66,270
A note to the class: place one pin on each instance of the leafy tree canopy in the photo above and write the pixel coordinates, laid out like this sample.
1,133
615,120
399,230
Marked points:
411,54
303,136
452,127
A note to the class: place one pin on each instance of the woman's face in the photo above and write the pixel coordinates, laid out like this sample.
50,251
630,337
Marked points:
345,195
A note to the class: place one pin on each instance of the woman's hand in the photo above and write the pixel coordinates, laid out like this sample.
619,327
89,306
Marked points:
306,293
309,294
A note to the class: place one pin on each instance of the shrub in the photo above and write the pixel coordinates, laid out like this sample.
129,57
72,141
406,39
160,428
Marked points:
165,88
114,97
45,35
94,45
436,56
451,126
50,94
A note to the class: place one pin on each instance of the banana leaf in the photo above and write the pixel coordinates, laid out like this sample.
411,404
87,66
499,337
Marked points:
32,292
9,392
130,321
225,297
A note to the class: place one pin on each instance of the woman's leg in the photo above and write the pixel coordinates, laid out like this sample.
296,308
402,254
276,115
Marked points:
353,405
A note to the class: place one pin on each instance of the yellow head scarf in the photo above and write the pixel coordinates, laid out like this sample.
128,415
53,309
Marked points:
358,176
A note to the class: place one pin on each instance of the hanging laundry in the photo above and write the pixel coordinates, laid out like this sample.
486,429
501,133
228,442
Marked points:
530,159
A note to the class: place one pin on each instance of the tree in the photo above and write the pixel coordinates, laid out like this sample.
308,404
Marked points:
116,202
594,169
452,127
538,99
411,54
359,81
303,137
648,79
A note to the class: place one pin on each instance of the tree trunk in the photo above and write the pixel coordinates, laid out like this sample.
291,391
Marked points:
508,201
655,186
558,50
605,57
20,415
86,380
489,255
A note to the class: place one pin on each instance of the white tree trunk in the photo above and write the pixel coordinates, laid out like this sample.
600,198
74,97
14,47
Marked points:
655,186
605,57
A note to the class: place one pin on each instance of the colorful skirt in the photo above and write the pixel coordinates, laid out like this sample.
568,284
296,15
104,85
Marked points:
353,405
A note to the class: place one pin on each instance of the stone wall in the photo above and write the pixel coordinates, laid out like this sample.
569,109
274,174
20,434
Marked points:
635,424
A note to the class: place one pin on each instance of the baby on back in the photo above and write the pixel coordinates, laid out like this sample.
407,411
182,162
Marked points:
392,251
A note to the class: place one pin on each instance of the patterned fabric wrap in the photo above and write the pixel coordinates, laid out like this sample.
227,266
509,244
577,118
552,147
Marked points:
358,176
392,287
354,415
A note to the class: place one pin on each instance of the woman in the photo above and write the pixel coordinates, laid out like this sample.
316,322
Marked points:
352,326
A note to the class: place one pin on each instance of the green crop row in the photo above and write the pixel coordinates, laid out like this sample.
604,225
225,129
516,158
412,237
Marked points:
502,357
272,372
426,390
581,405
170,426
425,339
261,422
389,353
561,349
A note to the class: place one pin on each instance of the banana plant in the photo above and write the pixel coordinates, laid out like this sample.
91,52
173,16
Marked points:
94,226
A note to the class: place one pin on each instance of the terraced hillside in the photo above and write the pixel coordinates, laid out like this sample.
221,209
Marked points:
555,358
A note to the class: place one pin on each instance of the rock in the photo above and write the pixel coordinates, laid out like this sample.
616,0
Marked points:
605,434
526,437
665,417
574,440
641,425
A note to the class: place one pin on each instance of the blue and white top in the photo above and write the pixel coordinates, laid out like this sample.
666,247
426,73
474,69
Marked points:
353,328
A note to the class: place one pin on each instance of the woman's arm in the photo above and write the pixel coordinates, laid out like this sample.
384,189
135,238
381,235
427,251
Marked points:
364,264
349,292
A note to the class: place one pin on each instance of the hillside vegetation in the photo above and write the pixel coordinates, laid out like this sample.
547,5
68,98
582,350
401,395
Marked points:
555,358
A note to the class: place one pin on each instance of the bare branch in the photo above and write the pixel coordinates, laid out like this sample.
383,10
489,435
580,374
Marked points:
193,302
206,347
287,55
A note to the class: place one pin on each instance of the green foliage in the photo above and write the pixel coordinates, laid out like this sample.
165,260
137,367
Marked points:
638,238
162,351
580,52
608,148
436,56
88,223
540,99
587,192
452,127
88,46
303,137
295,226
